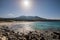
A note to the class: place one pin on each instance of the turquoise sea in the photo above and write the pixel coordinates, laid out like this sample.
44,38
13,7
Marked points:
47,25
28,26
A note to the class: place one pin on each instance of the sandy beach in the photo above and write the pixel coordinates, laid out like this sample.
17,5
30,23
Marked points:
14,22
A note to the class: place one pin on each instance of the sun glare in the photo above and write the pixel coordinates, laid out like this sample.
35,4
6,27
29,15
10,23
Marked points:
26,4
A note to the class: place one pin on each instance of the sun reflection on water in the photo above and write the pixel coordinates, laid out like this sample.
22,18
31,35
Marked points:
26,27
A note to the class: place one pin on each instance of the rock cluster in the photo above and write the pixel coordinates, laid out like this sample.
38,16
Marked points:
8,34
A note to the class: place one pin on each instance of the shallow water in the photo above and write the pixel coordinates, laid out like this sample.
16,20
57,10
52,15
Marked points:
31,26
47,25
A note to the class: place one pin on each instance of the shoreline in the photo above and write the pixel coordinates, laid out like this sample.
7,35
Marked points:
8,34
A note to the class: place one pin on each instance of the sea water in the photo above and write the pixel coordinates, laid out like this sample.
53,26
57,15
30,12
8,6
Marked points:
47,25
29,26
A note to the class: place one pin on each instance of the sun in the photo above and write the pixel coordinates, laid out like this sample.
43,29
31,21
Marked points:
25,3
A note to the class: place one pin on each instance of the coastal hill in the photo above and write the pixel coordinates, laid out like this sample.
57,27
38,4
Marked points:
27,18
30,18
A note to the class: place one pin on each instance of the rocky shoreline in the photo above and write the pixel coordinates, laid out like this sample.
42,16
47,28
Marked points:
8,34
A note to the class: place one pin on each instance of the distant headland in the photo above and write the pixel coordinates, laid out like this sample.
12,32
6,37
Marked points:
27,18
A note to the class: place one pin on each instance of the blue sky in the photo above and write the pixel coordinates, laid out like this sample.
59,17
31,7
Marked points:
43,8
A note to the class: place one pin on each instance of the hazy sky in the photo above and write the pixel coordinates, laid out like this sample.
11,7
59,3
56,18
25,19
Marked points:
41,8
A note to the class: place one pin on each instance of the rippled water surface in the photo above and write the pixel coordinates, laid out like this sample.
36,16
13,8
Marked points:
31,26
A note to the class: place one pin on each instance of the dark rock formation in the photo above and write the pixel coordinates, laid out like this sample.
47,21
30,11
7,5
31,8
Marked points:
8,34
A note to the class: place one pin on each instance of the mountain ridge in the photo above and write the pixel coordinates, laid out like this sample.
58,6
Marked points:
27,18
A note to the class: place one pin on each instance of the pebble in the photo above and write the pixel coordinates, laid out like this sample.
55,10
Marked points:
8,34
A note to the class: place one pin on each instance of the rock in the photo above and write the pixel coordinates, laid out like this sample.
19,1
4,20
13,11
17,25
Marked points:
56,33
42,38
8,34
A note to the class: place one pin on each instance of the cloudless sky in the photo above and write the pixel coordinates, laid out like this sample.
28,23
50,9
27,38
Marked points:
42,8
